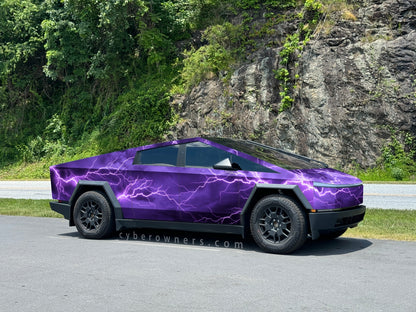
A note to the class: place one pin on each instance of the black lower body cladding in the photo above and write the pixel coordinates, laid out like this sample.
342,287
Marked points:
326,221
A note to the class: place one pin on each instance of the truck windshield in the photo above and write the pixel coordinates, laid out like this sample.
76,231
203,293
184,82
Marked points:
270,154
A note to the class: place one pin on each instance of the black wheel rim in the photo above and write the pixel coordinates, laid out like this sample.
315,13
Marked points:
275,224
91,215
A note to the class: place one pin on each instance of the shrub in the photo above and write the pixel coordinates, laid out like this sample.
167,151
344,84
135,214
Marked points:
218,55
398,174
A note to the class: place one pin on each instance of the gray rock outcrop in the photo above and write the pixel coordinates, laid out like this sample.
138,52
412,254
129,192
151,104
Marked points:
357,82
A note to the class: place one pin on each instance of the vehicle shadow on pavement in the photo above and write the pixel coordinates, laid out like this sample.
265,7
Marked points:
338,246
71,234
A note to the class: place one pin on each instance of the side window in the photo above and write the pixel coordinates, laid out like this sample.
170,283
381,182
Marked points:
248,165
202,155
160,156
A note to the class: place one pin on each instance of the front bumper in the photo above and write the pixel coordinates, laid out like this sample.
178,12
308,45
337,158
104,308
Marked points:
61,208
327,221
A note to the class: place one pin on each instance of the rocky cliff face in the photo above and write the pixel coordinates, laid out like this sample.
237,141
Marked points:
356,81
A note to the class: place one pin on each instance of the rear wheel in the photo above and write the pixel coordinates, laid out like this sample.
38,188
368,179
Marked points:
278,224
93,215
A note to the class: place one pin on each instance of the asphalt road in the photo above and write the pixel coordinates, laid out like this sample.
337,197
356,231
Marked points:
25,189
386,196
390,196
46,266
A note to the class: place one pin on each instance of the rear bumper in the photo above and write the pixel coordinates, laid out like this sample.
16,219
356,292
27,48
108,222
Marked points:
61,208
326,221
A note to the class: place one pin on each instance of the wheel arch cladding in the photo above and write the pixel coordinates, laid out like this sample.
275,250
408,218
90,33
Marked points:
261,190
98,186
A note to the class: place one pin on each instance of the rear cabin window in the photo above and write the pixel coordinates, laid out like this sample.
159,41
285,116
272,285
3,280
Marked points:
160,156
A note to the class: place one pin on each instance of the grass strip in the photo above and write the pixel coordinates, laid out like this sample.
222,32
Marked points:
378,223
386,224
27,207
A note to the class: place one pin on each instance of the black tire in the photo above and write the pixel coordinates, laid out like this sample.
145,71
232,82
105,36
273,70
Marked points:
332,234
278,224
93,215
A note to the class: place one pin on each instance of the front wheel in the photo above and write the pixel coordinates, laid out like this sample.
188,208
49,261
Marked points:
278,224
93,215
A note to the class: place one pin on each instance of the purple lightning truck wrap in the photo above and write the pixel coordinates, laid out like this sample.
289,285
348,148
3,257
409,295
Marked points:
209,185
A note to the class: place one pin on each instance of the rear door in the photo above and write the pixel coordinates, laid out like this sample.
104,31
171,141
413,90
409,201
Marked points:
151,190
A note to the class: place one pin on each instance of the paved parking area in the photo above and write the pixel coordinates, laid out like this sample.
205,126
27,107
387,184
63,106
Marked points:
46,266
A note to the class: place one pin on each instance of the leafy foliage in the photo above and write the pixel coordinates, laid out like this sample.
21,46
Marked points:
399,157
143,115
81,77
255,4
292,49
97,72
69,65
20,32
220,52
397,162
22,107
90,39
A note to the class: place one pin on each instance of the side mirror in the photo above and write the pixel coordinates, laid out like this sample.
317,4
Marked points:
226,164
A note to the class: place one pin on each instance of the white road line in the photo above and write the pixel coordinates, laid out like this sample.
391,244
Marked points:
391,195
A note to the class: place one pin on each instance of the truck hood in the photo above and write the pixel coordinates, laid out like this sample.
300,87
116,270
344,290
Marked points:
327,176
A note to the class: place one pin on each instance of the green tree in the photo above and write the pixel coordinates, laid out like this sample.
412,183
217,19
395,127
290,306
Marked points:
20,33
22,107
91,39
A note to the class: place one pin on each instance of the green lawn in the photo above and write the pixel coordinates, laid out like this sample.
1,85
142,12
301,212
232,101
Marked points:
27,207
386,224
378,223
